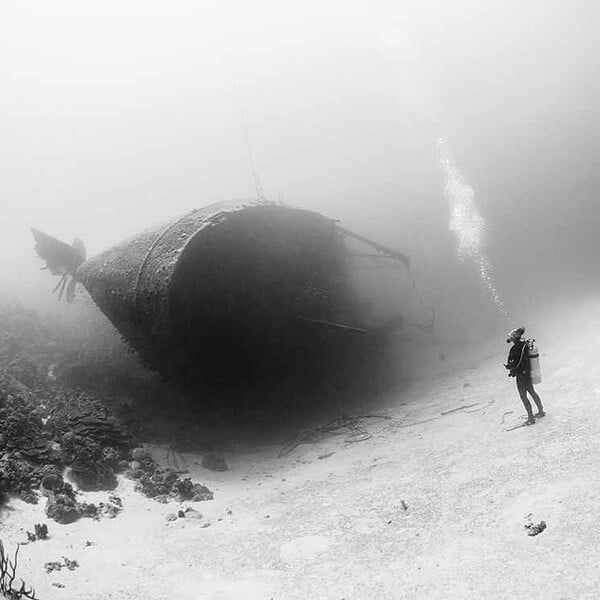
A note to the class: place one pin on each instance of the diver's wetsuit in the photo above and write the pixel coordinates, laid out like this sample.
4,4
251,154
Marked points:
519,366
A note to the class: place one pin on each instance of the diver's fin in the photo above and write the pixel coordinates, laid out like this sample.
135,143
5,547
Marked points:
71,289
60,257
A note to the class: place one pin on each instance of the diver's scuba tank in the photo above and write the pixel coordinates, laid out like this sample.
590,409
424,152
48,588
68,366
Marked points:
534,361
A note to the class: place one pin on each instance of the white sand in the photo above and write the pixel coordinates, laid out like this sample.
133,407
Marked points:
335,528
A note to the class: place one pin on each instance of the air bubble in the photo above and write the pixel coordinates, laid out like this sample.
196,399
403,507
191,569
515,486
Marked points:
467,224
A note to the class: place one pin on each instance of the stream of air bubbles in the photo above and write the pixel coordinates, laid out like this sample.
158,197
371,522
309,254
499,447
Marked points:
467,224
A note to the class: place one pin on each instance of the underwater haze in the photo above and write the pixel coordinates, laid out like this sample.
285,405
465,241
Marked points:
118,116
304,398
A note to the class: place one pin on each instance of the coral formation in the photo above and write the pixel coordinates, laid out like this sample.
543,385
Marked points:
163,484
47,429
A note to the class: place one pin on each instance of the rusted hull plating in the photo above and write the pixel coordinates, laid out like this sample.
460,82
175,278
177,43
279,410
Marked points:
295,276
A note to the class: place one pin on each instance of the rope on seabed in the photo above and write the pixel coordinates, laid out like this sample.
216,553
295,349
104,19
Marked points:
358,432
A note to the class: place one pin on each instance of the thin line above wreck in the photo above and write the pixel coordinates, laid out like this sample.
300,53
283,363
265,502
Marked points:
238,291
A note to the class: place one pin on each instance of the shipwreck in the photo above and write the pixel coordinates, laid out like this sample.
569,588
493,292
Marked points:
238,292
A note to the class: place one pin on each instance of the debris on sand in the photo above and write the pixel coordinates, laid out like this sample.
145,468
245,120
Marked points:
453,410
355,426
214,462
535,529
192,513
40,532
326,455
58,566
108,509
53,566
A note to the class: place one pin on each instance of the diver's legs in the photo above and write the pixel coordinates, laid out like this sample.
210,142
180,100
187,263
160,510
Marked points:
536,399
522,387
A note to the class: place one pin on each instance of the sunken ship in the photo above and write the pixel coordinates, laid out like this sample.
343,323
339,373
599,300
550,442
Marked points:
239,292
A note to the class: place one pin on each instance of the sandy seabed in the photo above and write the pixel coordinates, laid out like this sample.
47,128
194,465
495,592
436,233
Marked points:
432,505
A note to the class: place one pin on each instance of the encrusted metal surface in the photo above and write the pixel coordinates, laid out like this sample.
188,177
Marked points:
130,281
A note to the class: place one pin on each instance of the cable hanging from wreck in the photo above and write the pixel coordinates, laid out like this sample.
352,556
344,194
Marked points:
261,196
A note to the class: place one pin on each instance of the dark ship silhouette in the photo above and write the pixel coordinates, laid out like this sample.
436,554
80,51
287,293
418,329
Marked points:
237,292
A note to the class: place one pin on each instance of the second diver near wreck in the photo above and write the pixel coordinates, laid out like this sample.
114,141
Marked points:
519,366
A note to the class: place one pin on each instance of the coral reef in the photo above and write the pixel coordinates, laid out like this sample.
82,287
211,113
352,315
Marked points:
163,484
35,447
63,507
25,451
47,426
93,467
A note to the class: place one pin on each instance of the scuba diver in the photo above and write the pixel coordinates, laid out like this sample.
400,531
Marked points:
519,366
